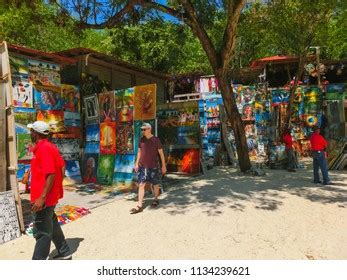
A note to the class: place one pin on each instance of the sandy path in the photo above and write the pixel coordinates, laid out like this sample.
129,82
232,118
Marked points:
217,216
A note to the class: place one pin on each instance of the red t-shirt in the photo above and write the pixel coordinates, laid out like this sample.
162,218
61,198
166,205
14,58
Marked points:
46,160
288,140
318,143
149,152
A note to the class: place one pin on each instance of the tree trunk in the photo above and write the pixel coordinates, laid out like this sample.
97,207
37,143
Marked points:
236,122
298,75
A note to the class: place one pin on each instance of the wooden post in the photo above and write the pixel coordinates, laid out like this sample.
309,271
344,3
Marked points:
11,149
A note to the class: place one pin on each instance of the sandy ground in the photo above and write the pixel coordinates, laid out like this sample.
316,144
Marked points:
220,215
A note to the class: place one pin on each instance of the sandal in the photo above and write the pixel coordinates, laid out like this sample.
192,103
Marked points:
155,203
136,210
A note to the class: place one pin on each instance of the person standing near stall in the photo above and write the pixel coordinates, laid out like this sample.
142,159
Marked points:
288,141
47,172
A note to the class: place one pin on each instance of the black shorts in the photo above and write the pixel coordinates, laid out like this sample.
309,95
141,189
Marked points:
149,175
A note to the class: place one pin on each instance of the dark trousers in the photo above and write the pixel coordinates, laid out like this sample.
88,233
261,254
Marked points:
47,229
320,162
291,161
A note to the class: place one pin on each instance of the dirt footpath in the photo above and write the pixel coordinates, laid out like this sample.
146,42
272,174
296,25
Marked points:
219,215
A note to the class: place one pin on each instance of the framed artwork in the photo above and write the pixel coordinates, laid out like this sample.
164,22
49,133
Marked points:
71,97
105,169
93,133
90,168
145,102
72,119
48,98
44,73
124,163
54,118
125,138
107,106
108,138
24,146
91,108
124,97
19,69
22,117
72,172
22,94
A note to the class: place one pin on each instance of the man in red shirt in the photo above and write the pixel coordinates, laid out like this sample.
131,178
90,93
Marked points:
47,171
288,141
318,146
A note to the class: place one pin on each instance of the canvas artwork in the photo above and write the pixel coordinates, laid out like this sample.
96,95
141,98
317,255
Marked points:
168,117
125,114
91,108
123,181
55,119
212,107
124,97
72,172
48,98
24,146
125,138
138,132
90,167
145,102
19,69
22,169
69,148
279,96
124,163
188,135
247,94
107,106
9,225
71,98
188,116
44,73
72,119
108,138
92,148
335,91
247,112
93,133
183,161
22,94
22,117
105,169
70,132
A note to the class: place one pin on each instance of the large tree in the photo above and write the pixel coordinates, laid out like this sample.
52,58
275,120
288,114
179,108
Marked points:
200,16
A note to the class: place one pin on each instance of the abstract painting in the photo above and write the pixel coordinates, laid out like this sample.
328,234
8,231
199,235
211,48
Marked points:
125,114
91,108
48,98
105,169
92,148
183,161
22,94
108,138
125,138
55,119
43,73
22,117
123,181
24,146
93,133
72,172
71,96
138,132
107,106
124,163
145,102
124,97
72,119
90,167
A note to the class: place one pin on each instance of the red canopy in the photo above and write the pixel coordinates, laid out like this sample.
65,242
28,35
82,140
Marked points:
259,63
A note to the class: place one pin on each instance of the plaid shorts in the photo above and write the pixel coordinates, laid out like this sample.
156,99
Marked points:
149,175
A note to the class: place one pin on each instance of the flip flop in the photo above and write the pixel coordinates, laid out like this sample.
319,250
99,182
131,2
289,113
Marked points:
155,203
136,210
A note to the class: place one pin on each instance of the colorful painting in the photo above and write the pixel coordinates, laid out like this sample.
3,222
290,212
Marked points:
145,102
71,96
22,117
48,98
212,107
105,169
188,135
68,148
123,181
72,119
22,169
247,112
124,163
19,69
71,132
279,96
44,73
92,148
24,146
22,94
125,138
138,132
107,106
90,168
72,172
108,138
55,120
124,97
125,114
183,161
168,117
91,108
93,133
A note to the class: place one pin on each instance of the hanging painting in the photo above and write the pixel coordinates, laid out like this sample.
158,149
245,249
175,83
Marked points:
124,97
125,138
107,106
125,114
183,161
145,102
105,169
108,138
19,69
71,96
91,108
72,172
92,148
22,117
55,119
90,167
48,98
22,94
44,73
124,163
68,148
24,146
188,135
93,133
123,181
72,119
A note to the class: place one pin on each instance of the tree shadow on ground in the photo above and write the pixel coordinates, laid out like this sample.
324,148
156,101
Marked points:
219,187
73,243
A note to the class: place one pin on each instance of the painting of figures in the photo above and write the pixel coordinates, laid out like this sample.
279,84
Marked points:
44,73
71,96
48,98
107,106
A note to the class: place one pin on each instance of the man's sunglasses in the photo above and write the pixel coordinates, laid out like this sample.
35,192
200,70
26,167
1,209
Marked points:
143,129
